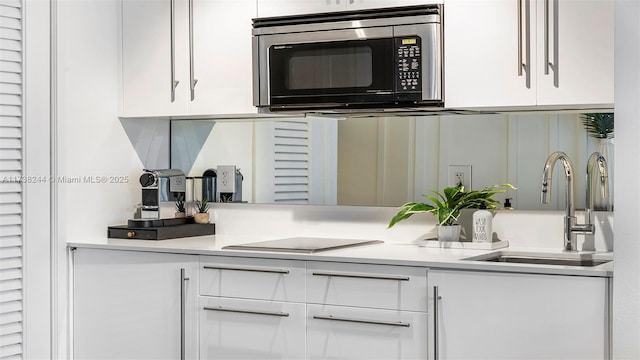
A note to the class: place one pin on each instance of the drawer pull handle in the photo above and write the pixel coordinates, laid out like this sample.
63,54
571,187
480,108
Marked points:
362,321
255,269
243,311
361,276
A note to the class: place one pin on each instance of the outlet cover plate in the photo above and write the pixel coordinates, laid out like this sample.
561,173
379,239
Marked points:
226,178
462,172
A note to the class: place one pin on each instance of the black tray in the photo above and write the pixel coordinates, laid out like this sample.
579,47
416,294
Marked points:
161,232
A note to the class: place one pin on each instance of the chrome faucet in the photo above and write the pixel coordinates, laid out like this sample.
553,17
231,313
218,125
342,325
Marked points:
571,227
596,158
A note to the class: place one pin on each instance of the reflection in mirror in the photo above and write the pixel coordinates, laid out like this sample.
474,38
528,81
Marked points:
384,161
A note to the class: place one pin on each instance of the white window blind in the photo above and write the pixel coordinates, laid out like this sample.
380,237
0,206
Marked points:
291,162
11,176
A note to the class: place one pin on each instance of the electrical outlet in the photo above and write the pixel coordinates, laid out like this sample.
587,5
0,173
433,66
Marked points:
226,178
459,174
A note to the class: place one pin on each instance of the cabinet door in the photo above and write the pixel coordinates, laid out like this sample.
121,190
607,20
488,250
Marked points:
337,332
481,54
520,316
146,58
580,50
269,8
222,62
127,305
251,329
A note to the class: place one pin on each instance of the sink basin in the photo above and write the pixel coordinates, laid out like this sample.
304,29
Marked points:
587,260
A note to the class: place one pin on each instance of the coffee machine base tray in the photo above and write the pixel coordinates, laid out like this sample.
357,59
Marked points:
160,233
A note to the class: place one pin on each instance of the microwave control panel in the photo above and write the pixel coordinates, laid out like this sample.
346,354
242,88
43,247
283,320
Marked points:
408,60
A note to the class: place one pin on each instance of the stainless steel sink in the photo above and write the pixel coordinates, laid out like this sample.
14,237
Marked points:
567,259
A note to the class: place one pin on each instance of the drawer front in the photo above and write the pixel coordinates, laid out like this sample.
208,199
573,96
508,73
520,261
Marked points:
251,329
251,278
337,332
363,285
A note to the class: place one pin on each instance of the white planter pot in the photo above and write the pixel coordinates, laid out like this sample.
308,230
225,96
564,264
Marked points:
448,233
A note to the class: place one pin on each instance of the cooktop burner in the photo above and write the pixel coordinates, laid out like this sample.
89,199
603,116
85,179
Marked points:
307,245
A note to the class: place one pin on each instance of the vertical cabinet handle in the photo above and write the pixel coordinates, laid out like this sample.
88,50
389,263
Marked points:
183,294
192,80
546,37
519,37
436,298
174,82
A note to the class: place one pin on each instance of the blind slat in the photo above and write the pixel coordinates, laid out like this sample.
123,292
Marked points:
11,230
7,165
10,253
10,11
10,296
11,339
10,241
10,154
11,3
10,328
10,99
8,352
10,198
8,220
10,285
8,55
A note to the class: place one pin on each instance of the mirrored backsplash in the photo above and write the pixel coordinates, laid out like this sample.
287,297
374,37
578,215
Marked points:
385,161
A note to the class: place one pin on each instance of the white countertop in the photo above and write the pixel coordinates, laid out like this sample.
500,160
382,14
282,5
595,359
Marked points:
404,254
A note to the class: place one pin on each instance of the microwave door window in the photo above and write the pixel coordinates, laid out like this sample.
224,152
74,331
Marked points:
333,72
337,68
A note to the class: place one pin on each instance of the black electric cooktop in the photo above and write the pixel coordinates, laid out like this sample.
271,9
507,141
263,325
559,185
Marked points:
307,245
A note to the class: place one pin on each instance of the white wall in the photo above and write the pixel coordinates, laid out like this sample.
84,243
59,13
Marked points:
93,147
626,281
91,142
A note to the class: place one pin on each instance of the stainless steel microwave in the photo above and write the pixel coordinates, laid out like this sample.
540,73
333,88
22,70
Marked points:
383,58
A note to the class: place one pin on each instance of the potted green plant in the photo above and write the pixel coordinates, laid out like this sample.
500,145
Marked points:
202,215
446,206
180,208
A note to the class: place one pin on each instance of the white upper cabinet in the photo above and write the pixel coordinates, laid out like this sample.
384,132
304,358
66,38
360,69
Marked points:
268,8
482,52
580,41
201,48
222,57
147,58
487,63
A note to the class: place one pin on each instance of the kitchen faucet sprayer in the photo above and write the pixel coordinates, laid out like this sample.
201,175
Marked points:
596,158
571,227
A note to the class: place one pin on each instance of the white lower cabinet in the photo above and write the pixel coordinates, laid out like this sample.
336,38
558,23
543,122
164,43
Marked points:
487,315
340,332
134,305
144,305
251,329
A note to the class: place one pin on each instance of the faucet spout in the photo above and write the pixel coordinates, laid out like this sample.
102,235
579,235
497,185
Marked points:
571,227
603,184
